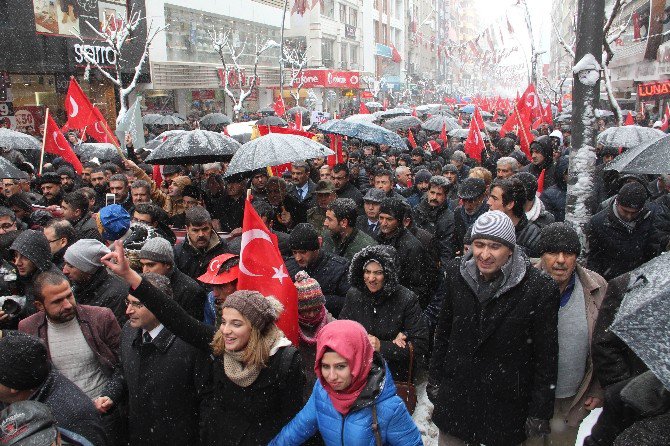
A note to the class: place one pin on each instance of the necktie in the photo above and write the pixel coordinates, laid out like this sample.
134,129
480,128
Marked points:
373,226
302,194
147,337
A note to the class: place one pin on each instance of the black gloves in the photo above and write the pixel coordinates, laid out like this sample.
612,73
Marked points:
536,427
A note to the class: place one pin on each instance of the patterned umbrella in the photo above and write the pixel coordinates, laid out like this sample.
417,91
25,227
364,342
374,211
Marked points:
628,136
364,131
652,158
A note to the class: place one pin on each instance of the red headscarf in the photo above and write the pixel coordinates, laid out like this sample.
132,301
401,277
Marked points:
350,340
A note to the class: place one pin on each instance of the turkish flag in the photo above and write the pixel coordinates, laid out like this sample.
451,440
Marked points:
666,119
335,146
278,107
56,144
540,183
525,135
157,174
530,101
547,116
410,137
629,119
262,269
474,144
363,109
78,107
477,116
298,121
98,129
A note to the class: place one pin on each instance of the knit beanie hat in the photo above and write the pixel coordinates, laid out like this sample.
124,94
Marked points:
114,221
260,310
157,249
85,254
24,362
496,226
49,178
393,207
559,237
35,247
66,170
422,176
304,237
310,295
632,195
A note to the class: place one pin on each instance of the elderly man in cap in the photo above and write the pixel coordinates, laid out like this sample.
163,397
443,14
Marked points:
52,192
450,172
622,236
222,274
433,215
582,294
330,270
91,282
26,374
472,193
325,194
157,256
340,235
493,370
369,221
458,159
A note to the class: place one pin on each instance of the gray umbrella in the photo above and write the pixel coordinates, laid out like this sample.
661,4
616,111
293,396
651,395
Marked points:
628,136
169,120
194,147
272,120
215,119
435,123
463,134
266,111
364,131
274,149
650,158
643,317
11,139
402,123
7,170
102,150
150,118
392,112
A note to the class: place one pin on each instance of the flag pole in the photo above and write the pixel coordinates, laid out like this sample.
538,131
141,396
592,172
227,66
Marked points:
523,130
44,139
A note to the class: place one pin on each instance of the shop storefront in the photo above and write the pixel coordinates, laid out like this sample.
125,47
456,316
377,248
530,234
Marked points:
334,91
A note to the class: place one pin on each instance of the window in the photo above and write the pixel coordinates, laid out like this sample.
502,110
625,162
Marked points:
376,26
343,13
328,8
385,34
344,55
327,52
353,54
353,17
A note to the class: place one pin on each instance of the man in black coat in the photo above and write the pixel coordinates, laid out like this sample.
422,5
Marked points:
343,186
303,188
163,376
329,270
289,212
542,158
75,210
622,236
494,365
433,215
416,271
472,192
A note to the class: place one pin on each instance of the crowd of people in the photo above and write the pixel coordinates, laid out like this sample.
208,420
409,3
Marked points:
123,322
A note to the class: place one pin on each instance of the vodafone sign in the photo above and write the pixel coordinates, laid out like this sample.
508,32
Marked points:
329,79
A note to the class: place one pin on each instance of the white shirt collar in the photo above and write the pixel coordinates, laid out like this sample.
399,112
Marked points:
155,332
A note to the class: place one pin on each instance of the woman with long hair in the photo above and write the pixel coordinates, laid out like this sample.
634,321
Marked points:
354,400
256,378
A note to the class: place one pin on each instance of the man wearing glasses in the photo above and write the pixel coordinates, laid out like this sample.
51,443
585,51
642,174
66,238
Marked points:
7,220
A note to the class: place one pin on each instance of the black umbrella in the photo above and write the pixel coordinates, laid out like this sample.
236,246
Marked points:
436,123
402,123
7,170
266,111
629,136
215,119
194,147
643,317
392,113
11,139
652,158
101,150
150,118
272,120
168,120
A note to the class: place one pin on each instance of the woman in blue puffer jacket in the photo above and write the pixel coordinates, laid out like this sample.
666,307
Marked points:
353,380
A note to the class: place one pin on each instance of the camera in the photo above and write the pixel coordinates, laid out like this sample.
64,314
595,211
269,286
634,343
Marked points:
12,305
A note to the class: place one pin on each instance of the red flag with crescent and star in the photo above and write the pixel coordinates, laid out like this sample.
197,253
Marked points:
474,144
78,107
262,269
56,144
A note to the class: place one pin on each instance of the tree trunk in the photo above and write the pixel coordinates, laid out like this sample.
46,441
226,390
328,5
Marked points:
581,192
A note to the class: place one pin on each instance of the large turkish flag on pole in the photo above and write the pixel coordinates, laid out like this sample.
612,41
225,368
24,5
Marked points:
78,106
55,143
262,269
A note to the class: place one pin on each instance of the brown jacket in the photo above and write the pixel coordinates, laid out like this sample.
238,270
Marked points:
169,205
100,329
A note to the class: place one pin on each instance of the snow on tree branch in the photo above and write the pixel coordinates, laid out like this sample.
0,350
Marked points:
297,61
568,48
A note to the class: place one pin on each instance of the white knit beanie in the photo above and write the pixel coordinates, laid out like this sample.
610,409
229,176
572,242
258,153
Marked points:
496,226
85,254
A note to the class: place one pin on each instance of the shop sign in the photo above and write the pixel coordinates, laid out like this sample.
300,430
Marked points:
236,80
7,115
26,119
103,55
328,79
383,51
349,31
654,89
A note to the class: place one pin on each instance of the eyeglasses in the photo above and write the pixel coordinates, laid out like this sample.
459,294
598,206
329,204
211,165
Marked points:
136,305
6,226
55,240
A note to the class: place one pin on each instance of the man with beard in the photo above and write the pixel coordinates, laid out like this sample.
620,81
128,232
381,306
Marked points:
433,215
472,193
86,171
52,193
343,186
415,193
259,182
83,340
75,210
67,178
99,184
118,185
341,236
61,235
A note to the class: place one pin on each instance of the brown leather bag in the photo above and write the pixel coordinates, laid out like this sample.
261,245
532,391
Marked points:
405,389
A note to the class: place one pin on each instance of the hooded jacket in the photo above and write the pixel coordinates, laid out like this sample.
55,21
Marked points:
192,261
439,222
554,196
35,247
548,165
386,313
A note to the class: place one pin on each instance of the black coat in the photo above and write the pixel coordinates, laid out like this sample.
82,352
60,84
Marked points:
614,248
554,201
440,223
232,415
164,381
332,273
188,293
613,360
193,262
229,212
350,191
310,199
528,236
86,227
662,221
495,362
104,290
363,225
462,224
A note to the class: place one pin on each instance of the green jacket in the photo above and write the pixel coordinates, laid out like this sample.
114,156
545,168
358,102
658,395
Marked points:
348,247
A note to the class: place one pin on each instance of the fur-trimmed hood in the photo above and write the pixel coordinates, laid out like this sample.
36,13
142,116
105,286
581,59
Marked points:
383,254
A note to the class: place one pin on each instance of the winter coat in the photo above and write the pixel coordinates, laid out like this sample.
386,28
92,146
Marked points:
495,362
316,216
439,222
396,426
462,224
616,249
350,246
229,211
99,327
350,191
71,408
363,225
554,196
332,273
104,289
294,207
310,198
415,269
188,293
164,384
86,227
384,314
232,415
528,236
614,361
662,221
192,261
